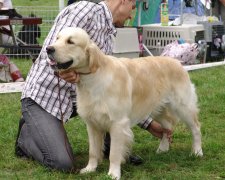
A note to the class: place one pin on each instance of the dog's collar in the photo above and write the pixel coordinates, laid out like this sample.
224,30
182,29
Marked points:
84,73
56,73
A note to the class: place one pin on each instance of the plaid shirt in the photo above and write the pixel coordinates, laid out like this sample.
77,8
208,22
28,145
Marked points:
41,84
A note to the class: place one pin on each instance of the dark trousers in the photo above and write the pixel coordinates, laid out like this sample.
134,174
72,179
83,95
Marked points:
43,137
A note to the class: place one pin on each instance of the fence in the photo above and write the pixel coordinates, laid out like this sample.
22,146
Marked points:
32,34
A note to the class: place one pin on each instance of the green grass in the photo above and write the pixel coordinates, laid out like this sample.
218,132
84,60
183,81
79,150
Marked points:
176,164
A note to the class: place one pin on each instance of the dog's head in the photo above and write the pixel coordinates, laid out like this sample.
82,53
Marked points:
72,49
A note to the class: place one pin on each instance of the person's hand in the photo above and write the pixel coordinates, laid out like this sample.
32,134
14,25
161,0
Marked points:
156,130
70,76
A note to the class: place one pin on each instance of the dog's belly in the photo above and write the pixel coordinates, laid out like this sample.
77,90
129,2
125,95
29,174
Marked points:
101,112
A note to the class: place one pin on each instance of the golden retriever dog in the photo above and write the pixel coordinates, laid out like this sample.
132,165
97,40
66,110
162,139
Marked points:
114,94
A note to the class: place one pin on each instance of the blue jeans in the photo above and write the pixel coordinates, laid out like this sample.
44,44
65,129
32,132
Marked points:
44,138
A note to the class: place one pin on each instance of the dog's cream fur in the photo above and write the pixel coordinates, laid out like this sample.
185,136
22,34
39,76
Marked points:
119,93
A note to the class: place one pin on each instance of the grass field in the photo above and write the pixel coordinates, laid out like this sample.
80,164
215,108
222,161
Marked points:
177,164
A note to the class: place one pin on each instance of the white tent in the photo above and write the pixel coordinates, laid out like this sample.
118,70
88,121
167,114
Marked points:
61,4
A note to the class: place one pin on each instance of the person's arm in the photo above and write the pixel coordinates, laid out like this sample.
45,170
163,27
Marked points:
223,2
157,130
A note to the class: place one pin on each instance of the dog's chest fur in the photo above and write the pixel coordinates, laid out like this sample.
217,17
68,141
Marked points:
93,103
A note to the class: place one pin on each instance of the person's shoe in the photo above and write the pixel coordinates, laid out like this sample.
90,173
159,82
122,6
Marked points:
135,160
18,151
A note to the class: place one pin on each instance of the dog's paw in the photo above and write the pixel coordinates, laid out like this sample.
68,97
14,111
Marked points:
88,169
114,172
164,145
160,151
163,148
114,176
197,153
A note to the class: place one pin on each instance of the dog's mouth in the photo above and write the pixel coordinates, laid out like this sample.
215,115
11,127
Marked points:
51,61
65,65
56,65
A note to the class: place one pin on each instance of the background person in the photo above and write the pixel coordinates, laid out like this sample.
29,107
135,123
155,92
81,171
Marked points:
6,4
4,38
219,10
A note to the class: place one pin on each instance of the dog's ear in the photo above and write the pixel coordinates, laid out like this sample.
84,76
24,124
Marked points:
95,55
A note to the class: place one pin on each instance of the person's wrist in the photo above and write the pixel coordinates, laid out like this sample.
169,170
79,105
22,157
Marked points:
149,125
149,128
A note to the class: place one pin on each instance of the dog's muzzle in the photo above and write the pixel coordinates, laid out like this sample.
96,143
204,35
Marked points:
50,51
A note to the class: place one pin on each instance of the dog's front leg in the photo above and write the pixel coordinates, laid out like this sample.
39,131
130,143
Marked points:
95,148
121,139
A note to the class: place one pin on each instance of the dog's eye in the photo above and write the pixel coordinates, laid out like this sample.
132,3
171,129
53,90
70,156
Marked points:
70,42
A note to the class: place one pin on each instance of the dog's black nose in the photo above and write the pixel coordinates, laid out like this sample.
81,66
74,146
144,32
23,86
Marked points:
50,49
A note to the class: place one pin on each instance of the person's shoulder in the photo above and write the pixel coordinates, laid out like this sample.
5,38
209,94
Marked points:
83,9
90,7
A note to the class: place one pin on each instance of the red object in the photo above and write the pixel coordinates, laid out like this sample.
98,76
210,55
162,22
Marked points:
15,73
24,21
4,60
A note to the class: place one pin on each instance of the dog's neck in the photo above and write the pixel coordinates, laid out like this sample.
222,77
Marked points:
83,71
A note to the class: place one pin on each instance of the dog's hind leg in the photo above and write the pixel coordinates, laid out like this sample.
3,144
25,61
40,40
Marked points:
190,117
188,113
121,140
96,137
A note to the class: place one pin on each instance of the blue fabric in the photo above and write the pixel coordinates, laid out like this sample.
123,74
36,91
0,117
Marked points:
175,8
